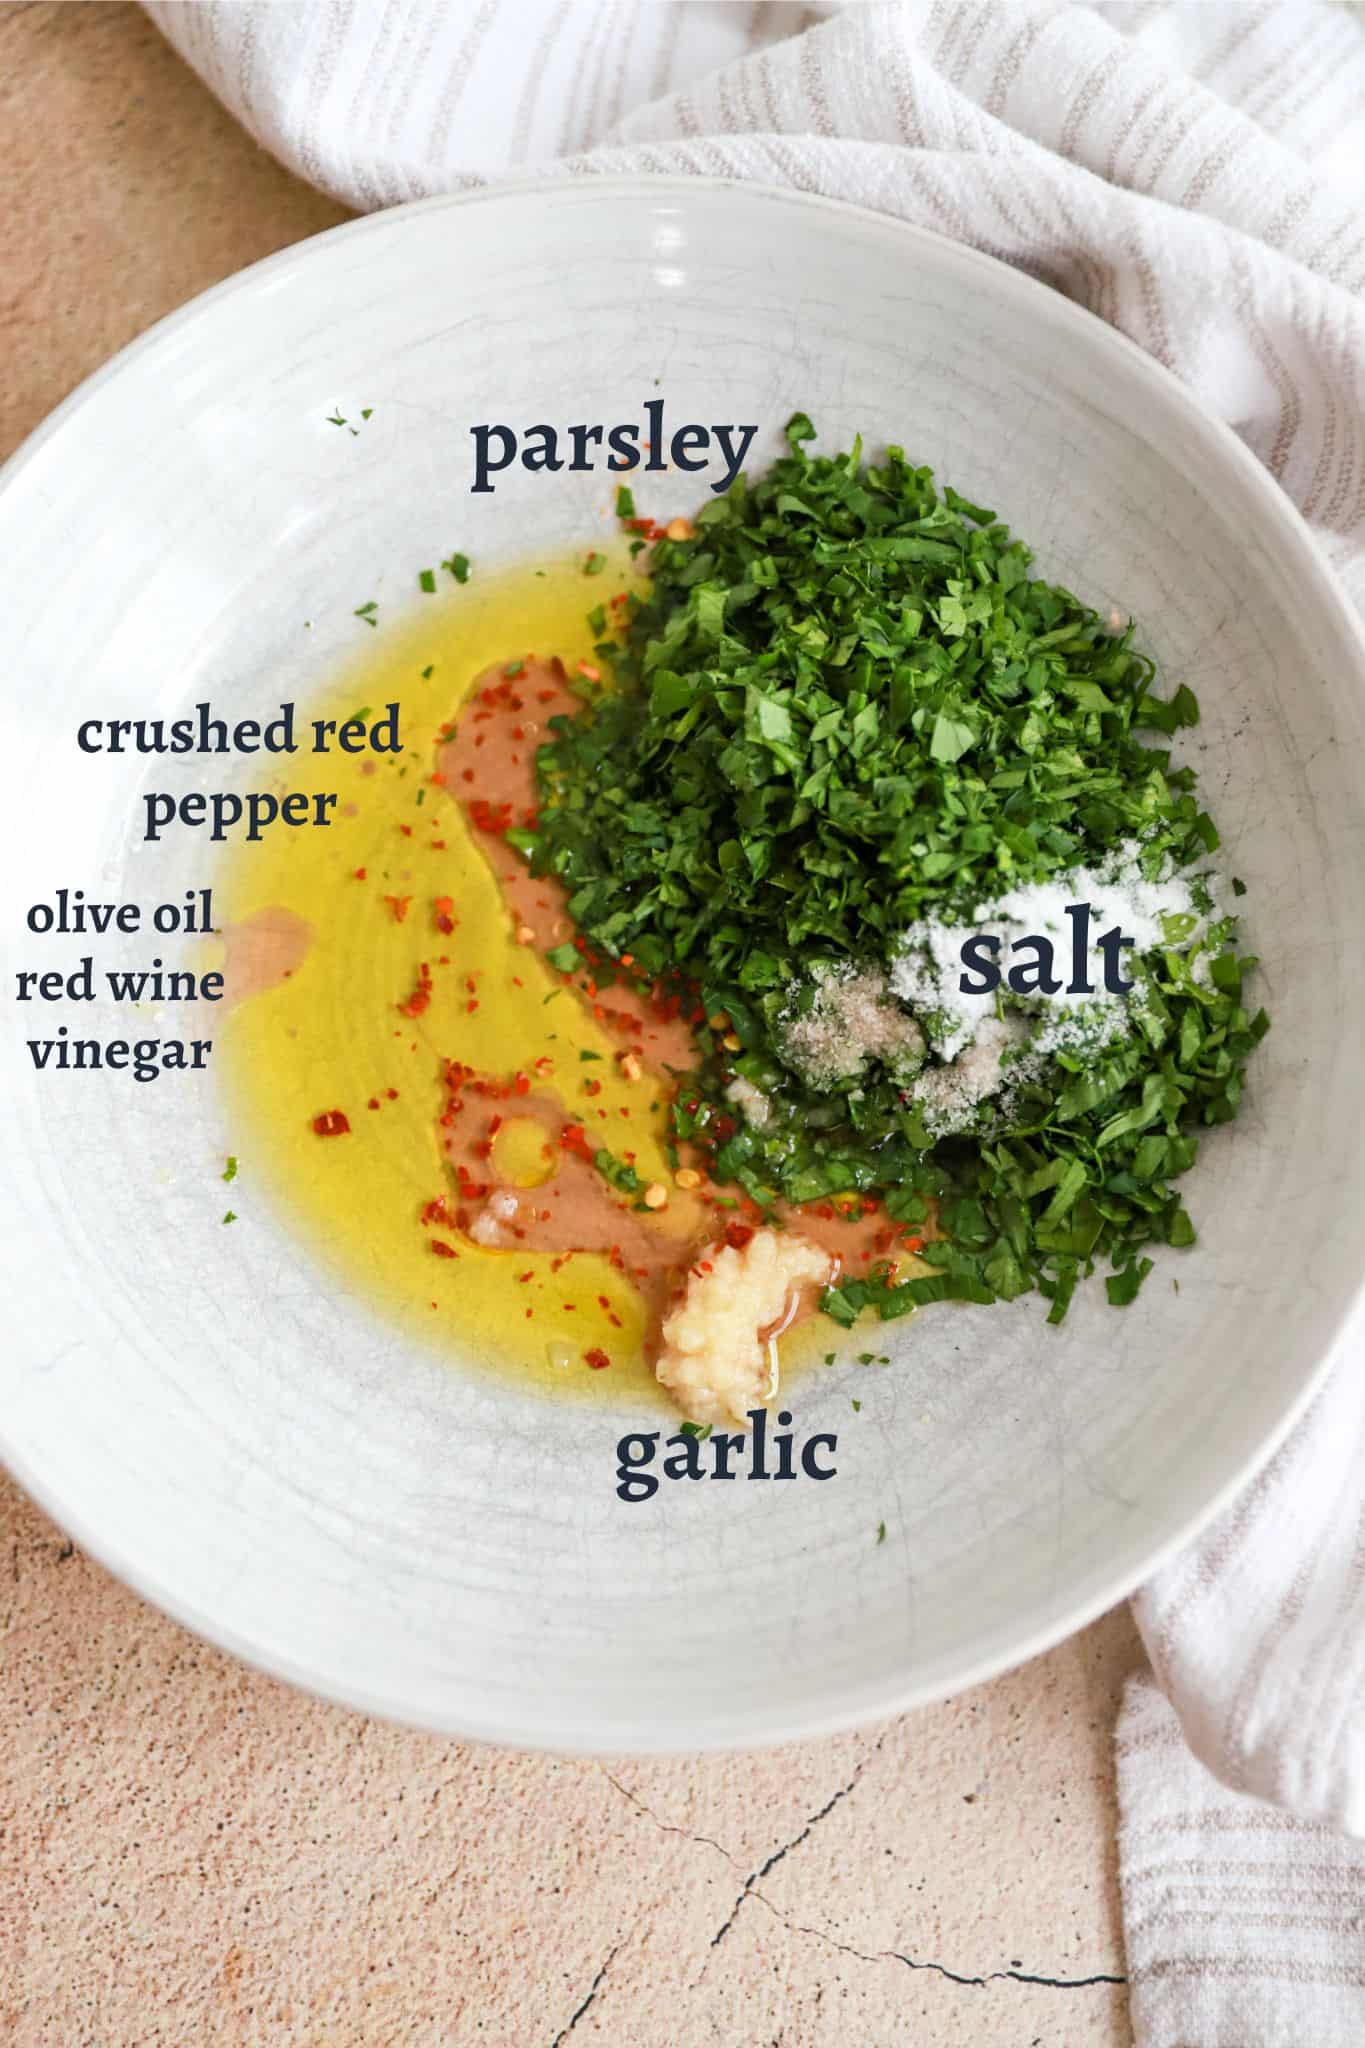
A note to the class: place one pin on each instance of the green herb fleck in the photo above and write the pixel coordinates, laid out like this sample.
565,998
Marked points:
458,565
619,1172
427,580
230,1170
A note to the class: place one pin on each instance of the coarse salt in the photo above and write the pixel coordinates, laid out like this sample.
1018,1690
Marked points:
852,1018
979,1053
951,1051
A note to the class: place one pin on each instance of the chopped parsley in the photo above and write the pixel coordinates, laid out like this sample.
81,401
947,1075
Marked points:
846,705
230,1170
618,1171
458,565
427,580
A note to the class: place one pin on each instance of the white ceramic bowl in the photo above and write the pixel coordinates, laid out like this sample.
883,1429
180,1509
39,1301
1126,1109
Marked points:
273,1463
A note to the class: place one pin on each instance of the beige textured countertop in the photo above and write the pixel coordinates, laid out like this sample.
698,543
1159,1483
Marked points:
194,1854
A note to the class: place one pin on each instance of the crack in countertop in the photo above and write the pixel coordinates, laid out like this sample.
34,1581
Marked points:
593,1990
750,1889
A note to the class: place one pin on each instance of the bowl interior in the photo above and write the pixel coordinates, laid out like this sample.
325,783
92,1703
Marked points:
271,1459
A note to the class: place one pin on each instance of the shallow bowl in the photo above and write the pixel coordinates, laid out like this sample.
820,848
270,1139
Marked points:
268,1458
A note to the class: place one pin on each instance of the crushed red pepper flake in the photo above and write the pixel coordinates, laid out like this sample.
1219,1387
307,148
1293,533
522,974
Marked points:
420,999
332,1123
489,817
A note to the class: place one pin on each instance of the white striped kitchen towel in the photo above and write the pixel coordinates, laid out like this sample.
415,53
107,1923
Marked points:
1244,1925
1194,174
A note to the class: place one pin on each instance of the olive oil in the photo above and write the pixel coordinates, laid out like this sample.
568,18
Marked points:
377,888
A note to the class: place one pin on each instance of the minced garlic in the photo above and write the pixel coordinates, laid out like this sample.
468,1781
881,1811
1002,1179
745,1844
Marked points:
714,1361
